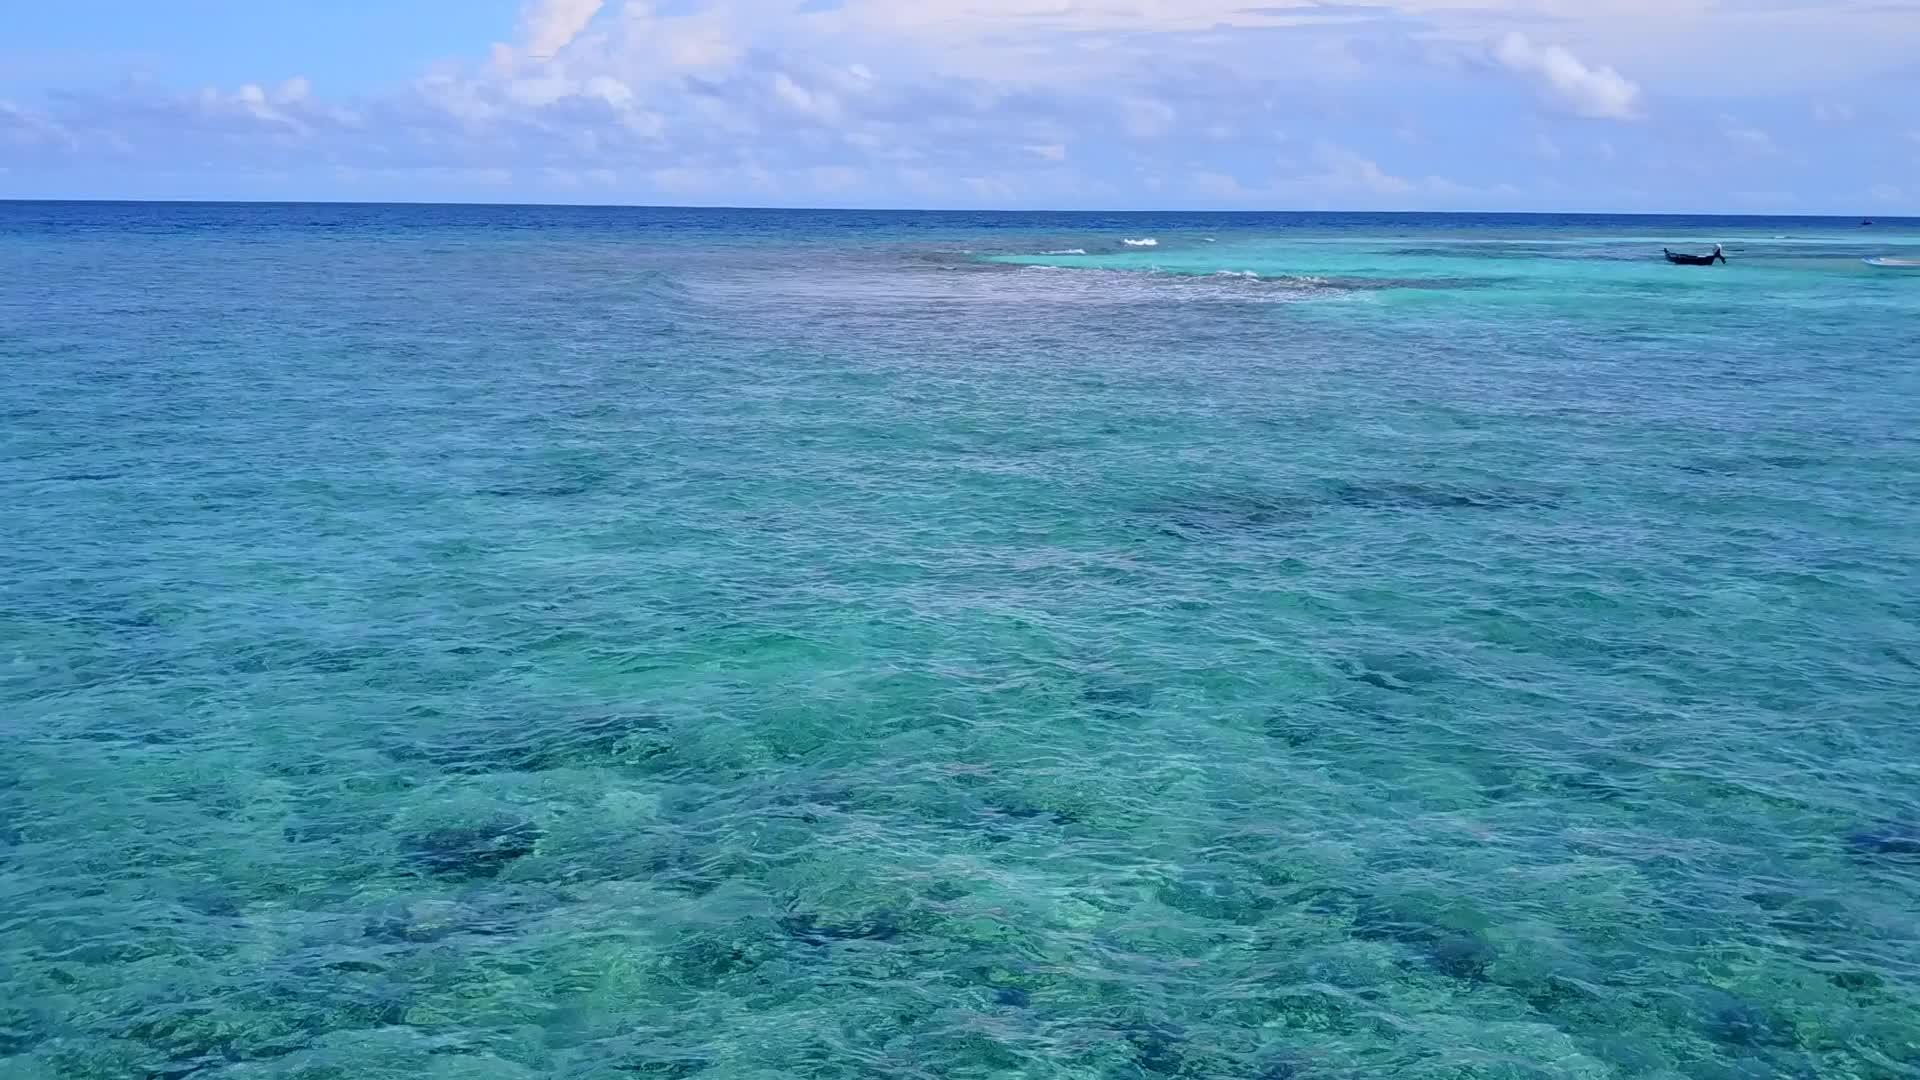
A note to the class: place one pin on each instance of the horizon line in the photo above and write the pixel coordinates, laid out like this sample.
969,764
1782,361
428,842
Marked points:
24,200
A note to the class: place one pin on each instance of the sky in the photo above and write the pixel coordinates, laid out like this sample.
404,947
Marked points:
1733,106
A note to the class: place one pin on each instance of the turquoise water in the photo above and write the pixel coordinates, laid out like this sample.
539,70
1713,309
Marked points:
502,643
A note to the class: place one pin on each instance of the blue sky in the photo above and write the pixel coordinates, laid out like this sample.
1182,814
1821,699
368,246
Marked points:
1745,106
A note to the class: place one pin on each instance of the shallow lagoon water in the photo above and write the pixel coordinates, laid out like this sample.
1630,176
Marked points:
495,642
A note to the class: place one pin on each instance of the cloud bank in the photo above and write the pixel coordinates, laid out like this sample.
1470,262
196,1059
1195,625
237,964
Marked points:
1397,104
1598,92
551,25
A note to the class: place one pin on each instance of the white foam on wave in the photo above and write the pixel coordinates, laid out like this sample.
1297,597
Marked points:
1068,251
1148,242
1084,285
1903,264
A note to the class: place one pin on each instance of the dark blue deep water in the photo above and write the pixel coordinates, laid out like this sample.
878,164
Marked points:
529,642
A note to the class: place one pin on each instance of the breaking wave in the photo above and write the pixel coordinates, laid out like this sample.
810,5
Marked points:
1083,285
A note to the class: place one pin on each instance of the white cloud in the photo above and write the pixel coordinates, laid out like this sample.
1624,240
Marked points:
1597,92
1785,46
1218,185
289,110
647,125
700,48
255,102
610,90
1335,177
954,20
1345,171
1002,100
1751,139
19,126
551,25
539,91
817,104
1146,118
461,99
537,97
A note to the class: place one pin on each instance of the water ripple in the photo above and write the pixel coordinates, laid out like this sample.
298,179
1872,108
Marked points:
466,642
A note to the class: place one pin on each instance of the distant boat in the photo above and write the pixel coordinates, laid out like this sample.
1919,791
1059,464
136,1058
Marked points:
1680,259
1869,221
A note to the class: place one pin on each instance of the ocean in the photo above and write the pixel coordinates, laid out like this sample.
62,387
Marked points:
512,642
